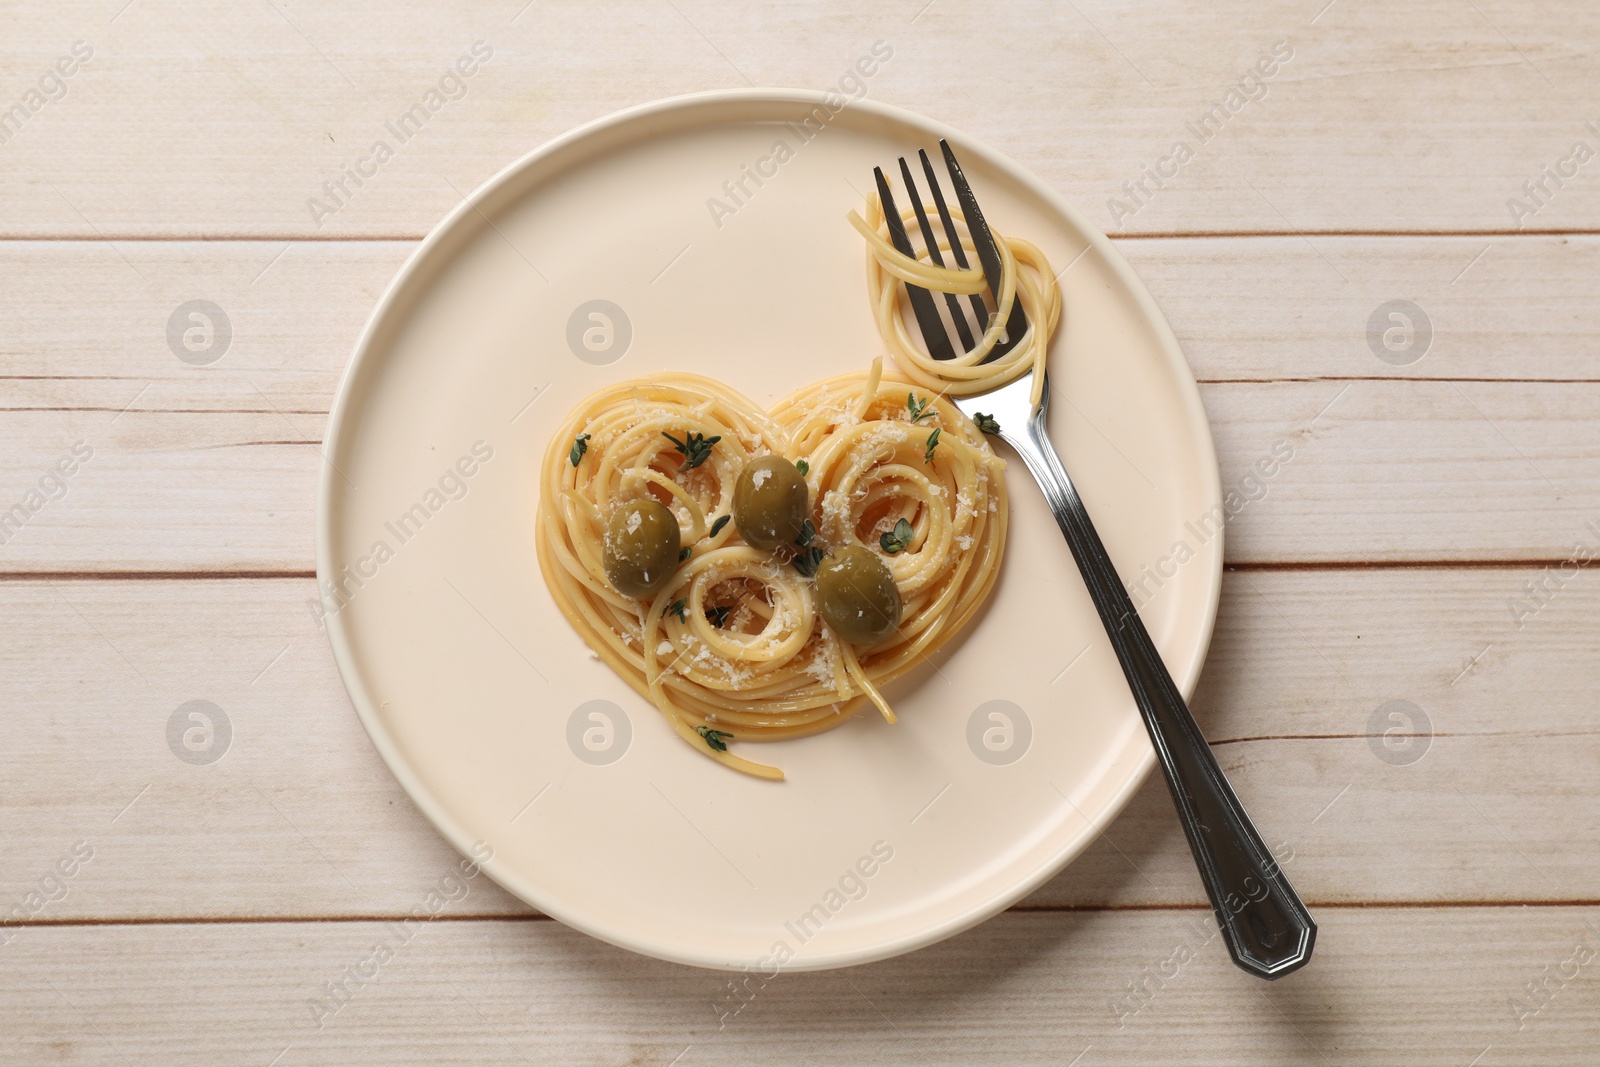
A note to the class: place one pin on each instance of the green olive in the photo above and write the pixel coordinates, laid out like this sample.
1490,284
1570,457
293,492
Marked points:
769,502
856,595
641,549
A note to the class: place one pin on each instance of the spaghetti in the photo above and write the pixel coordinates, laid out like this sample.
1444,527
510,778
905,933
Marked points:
1025,277
732,647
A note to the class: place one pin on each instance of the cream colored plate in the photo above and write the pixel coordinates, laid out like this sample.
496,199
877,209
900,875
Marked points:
505,730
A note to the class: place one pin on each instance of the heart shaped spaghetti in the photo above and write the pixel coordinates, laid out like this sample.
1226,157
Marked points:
732,647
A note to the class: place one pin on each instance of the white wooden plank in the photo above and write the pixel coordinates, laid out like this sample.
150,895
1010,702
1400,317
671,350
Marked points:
196,490
1427,118
1422,470
1395,987
1300,663
1282,307
80,329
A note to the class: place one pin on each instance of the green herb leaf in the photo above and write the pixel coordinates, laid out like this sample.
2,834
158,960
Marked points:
717,526
679,608
919,408
898,539
986,423
717,739
688,550
803,467
809,560
695,448
807,532
719,616
580,445
933,443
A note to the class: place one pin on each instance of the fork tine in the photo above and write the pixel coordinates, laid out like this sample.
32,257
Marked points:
932,242
956,248
922,304
988,250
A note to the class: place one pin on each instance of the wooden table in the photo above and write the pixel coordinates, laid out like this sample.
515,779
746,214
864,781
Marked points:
1427,544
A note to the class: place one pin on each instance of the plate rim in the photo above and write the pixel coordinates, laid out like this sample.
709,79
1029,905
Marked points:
341,413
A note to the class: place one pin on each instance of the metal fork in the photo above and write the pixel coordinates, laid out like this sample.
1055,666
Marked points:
1267,928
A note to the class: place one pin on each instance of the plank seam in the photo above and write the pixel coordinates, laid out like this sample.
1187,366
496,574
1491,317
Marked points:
1144,235
291,573
1021,909
267,574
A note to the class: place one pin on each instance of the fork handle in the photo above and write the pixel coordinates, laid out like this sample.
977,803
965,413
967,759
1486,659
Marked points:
1266,926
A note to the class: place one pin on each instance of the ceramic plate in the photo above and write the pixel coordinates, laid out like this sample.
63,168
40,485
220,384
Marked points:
708,234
